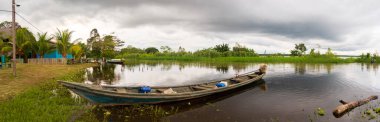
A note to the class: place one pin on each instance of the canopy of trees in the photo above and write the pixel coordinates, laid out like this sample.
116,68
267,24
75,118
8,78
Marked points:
299,50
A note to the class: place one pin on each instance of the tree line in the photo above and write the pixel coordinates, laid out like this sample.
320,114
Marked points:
220,50
29,45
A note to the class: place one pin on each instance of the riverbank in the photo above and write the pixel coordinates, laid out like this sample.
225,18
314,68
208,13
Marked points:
35,95
260,59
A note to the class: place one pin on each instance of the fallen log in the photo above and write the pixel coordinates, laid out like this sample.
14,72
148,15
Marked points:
348,106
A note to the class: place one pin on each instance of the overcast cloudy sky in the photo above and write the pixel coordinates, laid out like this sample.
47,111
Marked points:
346,26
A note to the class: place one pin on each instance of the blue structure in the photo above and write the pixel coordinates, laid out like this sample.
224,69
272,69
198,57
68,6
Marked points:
2,59
56,54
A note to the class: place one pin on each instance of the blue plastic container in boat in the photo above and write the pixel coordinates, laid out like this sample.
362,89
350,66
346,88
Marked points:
220,85
145,89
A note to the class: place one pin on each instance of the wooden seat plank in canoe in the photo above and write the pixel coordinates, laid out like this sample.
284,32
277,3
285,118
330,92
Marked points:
252,75
121,90
237,80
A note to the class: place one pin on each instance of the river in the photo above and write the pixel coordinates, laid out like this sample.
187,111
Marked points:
289,92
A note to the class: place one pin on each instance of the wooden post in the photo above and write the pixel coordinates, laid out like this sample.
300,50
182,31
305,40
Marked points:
14,36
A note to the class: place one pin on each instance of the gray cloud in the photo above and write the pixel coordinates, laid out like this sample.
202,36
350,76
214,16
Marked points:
335,22
224,16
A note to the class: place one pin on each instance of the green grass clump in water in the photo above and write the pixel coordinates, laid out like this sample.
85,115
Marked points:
376,110
369,113
320,112
128,113
46,102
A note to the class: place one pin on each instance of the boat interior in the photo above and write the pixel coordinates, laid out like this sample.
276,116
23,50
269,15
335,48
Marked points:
182,89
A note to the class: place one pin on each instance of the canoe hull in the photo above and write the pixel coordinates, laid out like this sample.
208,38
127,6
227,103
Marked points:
101,97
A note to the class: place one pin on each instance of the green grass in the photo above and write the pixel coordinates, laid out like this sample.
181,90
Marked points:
48,101
253,59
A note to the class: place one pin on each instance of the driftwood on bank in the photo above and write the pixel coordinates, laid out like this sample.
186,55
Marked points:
348,106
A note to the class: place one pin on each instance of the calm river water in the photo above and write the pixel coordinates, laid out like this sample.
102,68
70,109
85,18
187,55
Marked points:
289,92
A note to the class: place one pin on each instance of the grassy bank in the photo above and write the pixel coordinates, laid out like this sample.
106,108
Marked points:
253,59
36,95
31,75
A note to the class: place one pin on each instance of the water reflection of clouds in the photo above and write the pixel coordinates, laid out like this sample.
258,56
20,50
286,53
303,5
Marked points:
174,73
164,74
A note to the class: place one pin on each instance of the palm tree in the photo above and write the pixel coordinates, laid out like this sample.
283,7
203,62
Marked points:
63,41
43,45
24,41
4,47
77,51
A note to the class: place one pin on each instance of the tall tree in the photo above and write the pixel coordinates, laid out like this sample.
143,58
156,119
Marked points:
43,45
109,43
329,53
94,37
63,41
24,42
151,50
299,50
8,25
166,49
222,48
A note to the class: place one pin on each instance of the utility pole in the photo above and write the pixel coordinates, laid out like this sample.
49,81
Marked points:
14,36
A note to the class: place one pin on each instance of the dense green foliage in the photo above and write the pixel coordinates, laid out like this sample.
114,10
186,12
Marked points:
43,45
263,59
222,48
25,41
102,48
299,50
368,58
4,47
63,41
151,50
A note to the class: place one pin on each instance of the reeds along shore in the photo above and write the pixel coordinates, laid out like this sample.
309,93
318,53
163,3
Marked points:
265,59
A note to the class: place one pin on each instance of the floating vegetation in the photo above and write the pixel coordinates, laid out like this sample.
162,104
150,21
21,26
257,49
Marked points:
376,110
130,113
370,114
320,112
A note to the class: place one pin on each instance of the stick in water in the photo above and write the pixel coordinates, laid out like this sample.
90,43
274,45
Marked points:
348,106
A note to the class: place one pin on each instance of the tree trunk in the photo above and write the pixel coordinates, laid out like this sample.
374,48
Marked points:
25,58
346,107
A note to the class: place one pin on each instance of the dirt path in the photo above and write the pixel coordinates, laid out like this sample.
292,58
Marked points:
31,74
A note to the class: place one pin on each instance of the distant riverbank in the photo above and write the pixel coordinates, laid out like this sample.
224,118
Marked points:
258,59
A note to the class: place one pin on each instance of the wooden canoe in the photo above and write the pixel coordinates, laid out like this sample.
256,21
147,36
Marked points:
114,95
115,61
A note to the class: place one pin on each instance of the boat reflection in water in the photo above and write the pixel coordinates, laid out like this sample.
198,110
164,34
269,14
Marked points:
160,112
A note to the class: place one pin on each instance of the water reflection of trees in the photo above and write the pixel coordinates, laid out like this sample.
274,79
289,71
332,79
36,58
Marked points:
369,66
103,73
302,68
222,67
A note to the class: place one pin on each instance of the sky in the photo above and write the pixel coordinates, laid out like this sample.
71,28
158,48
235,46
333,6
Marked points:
268,26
